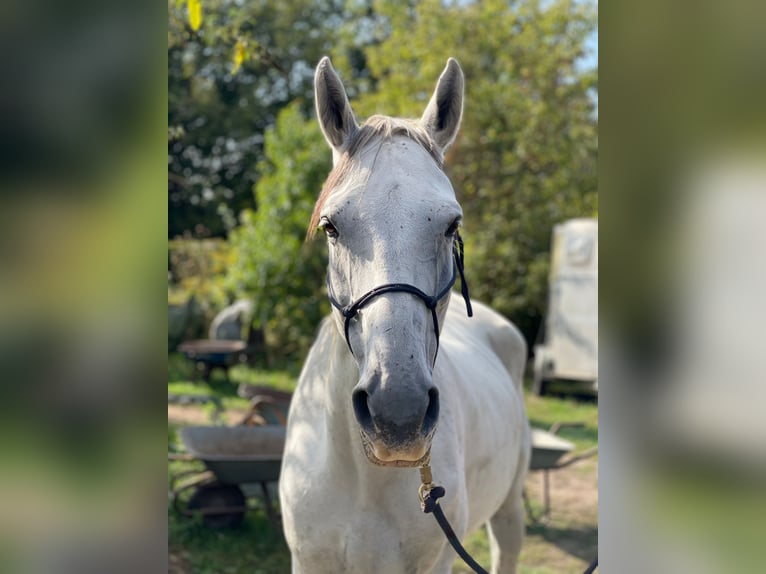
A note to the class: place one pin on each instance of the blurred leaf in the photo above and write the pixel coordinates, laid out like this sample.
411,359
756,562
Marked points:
195,13
240,56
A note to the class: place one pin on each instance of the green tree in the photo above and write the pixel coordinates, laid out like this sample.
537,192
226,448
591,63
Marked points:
282,273
525,159
227,81
526,156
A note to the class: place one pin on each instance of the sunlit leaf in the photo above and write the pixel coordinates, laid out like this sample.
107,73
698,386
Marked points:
240,55
195,13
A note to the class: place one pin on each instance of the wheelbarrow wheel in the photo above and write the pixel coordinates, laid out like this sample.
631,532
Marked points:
221,505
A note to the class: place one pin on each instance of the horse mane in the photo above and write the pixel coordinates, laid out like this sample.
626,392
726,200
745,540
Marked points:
376,127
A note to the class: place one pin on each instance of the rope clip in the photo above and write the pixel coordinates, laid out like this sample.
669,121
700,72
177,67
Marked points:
428,492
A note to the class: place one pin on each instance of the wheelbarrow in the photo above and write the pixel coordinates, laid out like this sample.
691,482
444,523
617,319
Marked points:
268,406
240,461
209,354
548,453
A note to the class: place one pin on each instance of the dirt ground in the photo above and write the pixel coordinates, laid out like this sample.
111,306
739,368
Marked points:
573,491
565,541
568,540
198,415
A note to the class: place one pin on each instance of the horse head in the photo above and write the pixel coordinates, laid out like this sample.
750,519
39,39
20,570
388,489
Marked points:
391,220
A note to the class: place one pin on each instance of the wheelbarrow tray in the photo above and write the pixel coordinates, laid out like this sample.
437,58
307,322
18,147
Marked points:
547,449
237,455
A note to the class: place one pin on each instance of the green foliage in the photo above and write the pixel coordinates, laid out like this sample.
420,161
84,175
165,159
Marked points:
196,270
526,155
524,161
543,412
227,82
283,274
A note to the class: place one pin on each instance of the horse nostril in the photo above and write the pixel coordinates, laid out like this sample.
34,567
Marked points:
361,409
432,412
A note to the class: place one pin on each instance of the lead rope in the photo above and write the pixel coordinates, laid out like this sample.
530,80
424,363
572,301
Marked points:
428,492
429,495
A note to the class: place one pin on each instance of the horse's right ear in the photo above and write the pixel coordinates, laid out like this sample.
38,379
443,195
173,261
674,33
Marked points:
333,110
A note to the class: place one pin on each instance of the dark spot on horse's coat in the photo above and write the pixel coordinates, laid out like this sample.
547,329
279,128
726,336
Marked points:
429,219
412,356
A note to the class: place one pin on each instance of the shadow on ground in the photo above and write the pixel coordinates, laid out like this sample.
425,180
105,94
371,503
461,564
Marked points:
580,542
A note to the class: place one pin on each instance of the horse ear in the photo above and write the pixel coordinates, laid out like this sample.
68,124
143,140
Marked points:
445,110
333,110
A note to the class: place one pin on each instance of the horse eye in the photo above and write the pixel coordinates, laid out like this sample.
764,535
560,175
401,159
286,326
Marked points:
452,229
328,228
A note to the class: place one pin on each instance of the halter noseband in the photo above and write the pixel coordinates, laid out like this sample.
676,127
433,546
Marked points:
350,311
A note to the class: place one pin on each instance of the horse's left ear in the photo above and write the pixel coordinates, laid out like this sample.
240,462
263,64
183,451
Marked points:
444,111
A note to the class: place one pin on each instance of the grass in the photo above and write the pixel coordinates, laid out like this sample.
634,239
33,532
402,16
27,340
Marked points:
223,390
256,547
545,411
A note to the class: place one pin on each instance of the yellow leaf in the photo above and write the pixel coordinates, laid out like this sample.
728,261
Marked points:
195,13
240,55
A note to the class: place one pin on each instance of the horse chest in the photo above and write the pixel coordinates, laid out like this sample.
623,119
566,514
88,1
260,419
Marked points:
334,531
363,545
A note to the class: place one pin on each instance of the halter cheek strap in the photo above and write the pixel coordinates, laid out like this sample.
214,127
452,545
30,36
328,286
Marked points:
350,311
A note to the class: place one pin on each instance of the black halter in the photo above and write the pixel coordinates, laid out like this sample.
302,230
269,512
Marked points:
350,311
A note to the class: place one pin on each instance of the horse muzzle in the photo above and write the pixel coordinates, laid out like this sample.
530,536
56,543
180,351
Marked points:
396,427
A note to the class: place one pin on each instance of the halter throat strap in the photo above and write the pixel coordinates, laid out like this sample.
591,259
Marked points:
350,311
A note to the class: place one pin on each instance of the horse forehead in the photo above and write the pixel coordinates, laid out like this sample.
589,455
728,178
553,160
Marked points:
404,179
401,159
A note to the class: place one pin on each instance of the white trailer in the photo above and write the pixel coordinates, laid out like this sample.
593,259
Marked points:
569,350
